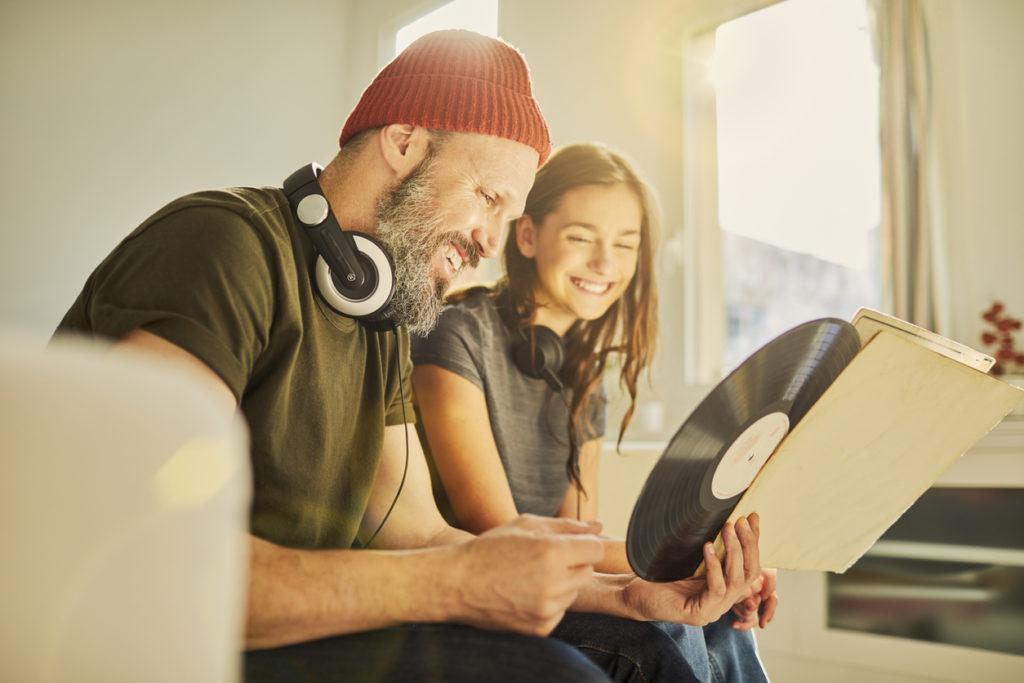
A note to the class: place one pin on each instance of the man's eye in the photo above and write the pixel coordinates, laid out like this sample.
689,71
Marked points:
491,201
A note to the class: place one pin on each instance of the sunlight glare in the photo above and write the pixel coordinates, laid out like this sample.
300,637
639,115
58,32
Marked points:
797,108
475,15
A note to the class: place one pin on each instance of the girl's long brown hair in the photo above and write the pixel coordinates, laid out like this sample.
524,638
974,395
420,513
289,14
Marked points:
629,328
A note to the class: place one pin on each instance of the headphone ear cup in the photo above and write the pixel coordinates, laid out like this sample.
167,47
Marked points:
543,358
375,259
550,350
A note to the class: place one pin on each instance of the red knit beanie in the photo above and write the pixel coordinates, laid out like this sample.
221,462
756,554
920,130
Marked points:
459,81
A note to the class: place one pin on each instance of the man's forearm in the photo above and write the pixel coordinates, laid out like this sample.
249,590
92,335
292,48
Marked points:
300,595
519,577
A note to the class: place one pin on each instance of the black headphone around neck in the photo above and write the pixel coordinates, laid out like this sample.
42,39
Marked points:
354,273
538,352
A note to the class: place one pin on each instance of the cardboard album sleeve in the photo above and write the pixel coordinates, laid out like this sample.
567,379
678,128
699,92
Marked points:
883,432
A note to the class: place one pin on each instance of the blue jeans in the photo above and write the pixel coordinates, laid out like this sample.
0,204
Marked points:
644,652
718,653
427,653
583,648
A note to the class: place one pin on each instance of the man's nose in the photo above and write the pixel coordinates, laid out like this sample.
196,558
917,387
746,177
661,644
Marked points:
488,237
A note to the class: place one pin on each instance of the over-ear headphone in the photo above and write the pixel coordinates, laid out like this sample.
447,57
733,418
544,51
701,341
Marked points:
354,273
538,353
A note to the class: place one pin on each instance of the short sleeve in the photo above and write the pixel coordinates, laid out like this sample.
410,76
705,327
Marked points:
200,278
454,344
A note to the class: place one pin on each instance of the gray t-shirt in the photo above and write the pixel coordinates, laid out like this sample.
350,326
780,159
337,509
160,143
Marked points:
527,418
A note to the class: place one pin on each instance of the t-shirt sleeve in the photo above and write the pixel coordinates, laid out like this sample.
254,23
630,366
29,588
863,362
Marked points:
400,409
199,278
454,344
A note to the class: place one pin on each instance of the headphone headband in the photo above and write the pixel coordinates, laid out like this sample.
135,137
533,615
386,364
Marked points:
354,273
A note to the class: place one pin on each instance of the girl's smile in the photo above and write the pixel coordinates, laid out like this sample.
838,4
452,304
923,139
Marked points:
586,253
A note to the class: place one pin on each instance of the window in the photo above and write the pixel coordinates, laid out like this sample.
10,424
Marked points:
791,202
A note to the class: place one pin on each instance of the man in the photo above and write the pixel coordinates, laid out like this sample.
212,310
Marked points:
347,544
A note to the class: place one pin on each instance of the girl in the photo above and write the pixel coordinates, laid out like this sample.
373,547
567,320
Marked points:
580,265
509,387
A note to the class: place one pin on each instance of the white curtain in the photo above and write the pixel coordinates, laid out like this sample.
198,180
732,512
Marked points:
914,282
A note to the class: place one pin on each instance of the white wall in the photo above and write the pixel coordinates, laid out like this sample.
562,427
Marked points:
112,108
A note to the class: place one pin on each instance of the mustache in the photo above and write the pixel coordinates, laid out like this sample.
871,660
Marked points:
465,245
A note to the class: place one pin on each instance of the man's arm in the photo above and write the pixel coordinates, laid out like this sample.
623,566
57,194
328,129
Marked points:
140,341
519,577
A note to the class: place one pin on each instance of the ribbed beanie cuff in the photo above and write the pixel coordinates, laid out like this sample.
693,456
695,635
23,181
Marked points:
459,81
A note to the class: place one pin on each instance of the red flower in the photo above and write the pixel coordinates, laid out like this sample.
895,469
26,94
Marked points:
999,339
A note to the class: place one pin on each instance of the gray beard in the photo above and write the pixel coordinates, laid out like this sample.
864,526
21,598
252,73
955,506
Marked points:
409,227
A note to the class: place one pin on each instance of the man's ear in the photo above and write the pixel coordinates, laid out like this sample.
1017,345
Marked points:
526,236
403,146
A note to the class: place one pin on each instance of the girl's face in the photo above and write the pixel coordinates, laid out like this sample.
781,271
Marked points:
586,253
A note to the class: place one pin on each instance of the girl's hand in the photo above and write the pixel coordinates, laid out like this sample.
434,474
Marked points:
759,608
702,600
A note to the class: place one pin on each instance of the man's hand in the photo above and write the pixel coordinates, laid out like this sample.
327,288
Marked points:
759,608
523,575
702,600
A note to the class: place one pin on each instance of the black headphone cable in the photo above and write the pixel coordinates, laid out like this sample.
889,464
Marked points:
405,426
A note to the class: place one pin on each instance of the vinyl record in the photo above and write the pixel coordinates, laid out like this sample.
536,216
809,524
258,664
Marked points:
718,451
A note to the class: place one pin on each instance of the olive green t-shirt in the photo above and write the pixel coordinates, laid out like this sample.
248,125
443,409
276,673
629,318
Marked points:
225,275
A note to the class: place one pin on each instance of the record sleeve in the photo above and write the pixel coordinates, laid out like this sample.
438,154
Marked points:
829,433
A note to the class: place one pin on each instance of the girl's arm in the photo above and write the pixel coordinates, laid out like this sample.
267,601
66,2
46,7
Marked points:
457,425
615,561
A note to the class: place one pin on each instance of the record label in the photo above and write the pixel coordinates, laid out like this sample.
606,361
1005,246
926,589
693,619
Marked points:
747,454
